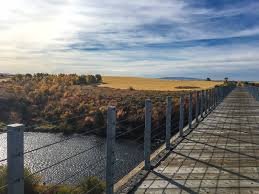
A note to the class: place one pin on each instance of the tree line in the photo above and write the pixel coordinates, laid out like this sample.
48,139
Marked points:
67,79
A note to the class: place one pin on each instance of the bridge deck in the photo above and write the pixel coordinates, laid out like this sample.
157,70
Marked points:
220,156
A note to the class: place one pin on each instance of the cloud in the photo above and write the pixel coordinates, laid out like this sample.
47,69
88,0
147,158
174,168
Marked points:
129,37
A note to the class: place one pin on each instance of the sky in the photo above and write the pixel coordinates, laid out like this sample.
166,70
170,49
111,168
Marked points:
150,38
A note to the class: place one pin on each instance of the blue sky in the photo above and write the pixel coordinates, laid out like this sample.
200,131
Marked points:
151,38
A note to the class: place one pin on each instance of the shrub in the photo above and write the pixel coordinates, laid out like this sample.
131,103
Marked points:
99,120
92,185
91,79
131,88
30,183
82,80
98,78
3,179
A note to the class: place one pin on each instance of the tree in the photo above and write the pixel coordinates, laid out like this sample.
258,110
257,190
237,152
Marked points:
98,78
91,79
19,77
226,79
208,79
82,80
28,76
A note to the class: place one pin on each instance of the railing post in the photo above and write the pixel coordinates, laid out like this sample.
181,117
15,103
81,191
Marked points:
197,107
205,101
202,103
147,135
209,100
215,97
212,98
181,120
168,121
110,144
15,158
257,94
222,94
190,111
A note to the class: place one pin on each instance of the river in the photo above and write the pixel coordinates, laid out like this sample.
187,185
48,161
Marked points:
91,163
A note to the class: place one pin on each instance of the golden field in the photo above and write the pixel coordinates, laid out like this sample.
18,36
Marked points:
138,83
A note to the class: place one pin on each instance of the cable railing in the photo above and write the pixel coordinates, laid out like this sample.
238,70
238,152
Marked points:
62,140
155,131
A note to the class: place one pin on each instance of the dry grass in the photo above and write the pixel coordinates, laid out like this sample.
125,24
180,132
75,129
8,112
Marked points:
138,83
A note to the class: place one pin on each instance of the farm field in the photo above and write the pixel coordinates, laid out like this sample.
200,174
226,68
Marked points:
138,83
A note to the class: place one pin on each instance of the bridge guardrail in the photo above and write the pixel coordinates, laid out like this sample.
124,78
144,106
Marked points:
200,103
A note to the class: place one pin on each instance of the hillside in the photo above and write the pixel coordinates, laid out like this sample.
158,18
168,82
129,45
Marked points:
138,83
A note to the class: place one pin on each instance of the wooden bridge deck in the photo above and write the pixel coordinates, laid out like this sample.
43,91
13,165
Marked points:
220,156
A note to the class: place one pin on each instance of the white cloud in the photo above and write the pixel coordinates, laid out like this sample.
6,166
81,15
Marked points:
37,35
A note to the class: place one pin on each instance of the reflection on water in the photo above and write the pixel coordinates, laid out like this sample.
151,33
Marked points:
128,155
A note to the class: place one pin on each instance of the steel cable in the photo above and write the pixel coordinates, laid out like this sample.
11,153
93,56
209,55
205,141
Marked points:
65,159
62,140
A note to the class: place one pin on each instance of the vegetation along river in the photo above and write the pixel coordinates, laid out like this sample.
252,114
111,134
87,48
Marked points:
128,155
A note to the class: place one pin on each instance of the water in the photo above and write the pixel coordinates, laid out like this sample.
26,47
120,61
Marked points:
91,163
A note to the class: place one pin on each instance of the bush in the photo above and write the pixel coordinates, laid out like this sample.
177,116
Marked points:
92,185
131,88
98,78
3,179
99,120
91,79
82,80
30,183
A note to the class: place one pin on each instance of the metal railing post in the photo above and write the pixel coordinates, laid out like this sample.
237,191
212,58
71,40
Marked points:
110,144
197,107
15,158
147,135
190,111
181,120
168,121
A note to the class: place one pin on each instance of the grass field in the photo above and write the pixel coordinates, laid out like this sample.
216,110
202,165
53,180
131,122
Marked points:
138,83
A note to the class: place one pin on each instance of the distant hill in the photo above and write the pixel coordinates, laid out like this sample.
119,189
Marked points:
179,78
